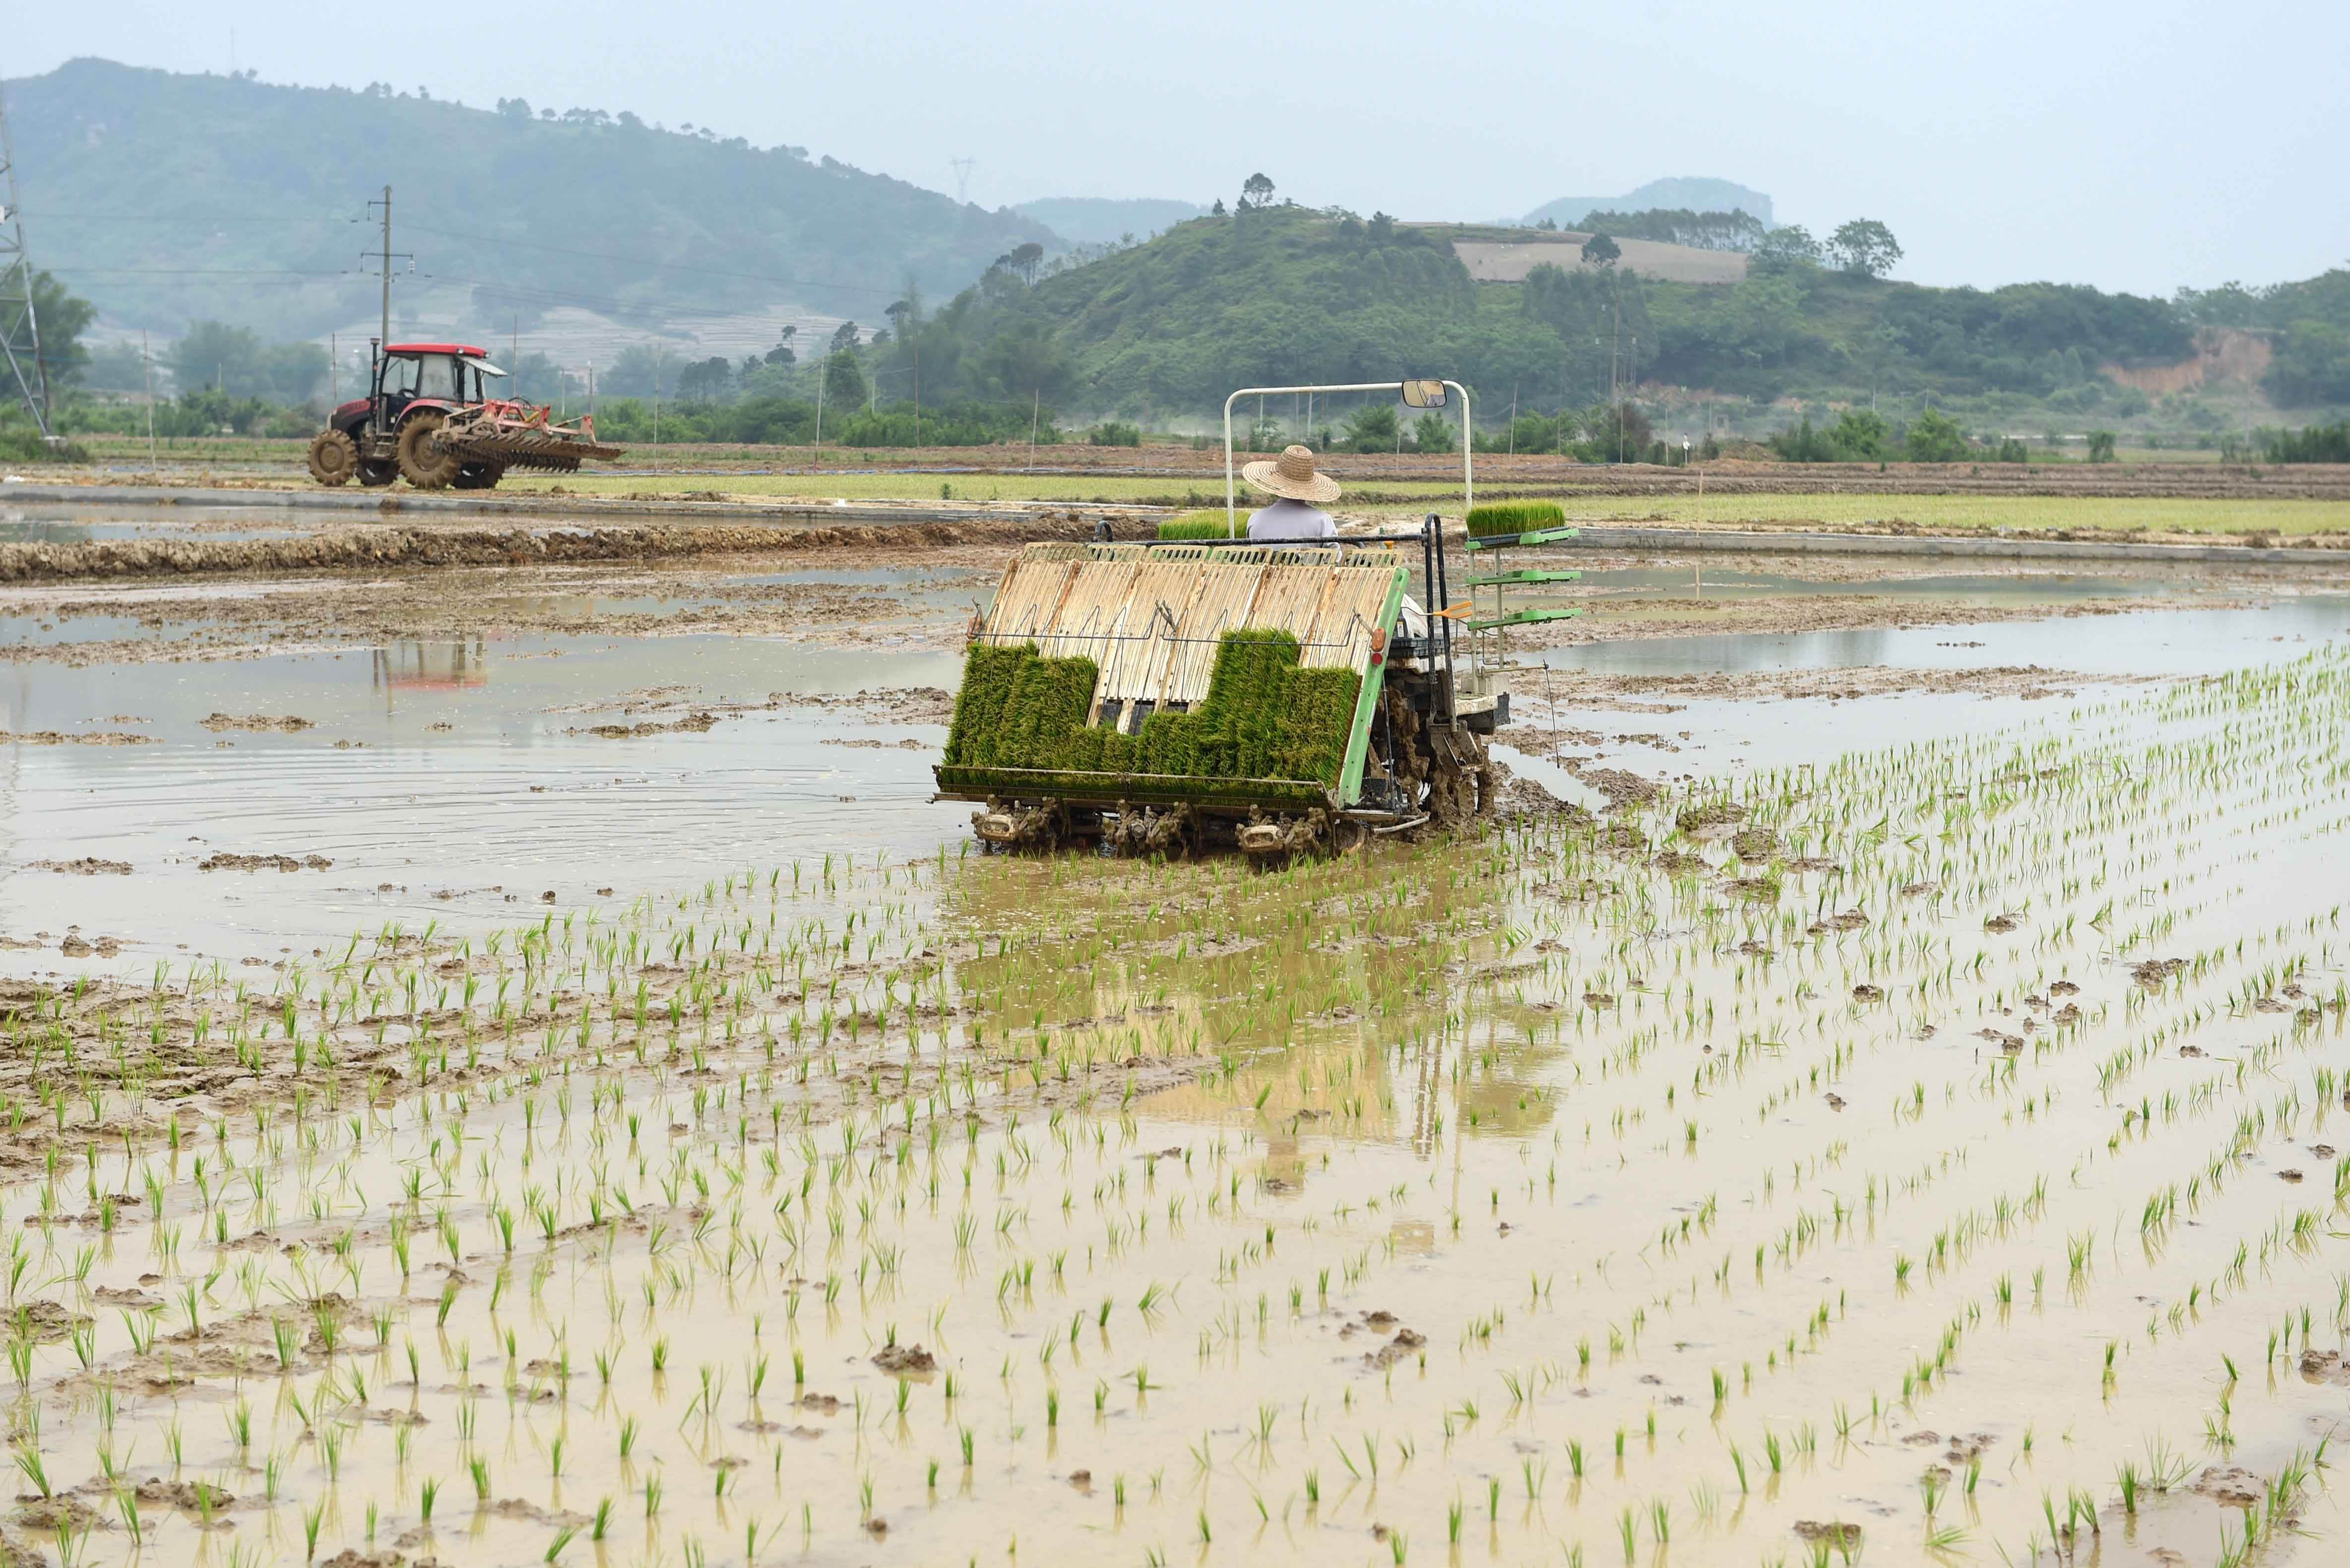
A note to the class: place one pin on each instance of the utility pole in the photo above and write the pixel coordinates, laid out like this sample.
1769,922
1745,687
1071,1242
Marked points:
963,167
19,321
147,374
385,260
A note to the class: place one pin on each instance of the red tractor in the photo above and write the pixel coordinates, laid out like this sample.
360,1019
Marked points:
428,418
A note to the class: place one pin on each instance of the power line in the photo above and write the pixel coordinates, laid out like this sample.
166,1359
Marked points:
79,270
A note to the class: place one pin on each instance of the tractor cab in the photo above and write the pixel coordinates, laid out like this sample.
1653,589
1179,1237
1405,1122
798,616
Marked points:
450,374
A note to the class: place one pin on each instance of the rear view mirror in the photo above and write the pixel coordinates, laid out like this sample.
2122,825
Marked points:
1423,394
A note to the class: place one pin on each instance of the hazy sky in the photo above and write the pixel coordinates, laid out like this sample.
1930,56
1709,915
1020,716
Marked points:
2134,146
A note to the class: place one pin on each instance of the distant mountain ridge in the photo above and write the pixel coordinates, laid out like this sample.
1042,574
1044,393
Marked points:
1102,220
1697,194
170,198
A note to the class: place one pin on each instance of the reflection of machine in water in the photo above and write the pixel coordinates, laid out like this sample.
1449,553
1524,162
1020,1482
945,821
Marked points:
429,667
1351,1002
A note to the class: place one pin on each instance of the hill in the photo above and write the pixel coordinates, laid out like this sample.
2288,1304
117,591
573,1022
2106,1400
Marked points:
1284,296
168,198
1101,220
1700,195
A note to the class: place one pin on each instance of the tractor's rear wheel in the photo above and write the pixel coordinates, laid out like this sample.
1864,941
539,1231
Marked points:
422,462
479,476
334,457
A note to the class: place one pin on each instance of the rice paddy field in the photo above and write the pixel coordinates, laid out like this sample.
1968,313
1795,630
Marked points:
1917,1139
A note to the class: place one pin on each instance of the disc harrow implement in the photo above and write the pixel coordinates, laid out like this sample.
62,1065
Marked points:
518,435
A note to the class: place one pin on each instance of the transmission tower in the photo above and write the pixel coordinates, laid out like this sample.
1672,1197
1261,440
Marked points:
963,167
20,324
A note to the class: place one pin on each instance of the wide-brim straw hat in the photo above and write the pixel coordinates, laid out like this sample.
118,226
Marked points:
1292,476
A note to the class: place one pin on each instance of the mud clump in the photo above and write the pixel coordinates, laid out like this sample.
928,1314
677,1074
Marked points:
903,704
1622,789
1404,1344
905,1359
44,1321
50,1513
195,1497
52,738
74,946
1713,814
2151,974
1754,843
1843,1537
2229,1487
258,723
88,865
227,862
692,723
2000,925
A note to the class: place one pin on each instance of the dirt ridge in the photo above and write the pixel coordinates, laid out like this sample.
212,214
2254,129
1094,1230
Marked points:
345,549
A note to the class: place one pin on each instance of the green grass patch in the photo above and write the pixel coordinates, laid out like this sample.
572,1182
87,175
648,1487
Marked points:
1215,524
1501,518
1264,717
27,446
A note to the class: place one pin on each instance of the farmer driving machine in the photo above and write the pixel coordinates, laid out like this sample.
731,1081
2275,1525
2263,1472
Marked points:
428,418
1277,698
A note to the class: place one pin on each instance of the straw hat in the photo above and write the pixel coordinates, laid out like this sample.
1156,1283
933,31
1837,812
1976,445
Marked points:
1291,475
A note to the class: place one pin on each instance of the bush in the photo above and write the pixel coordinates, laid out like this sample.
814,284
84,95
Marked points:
1500,519
27,446
1373,429
2318,443
1433,432
2013,450
1935,437
1215,525
1115,432
1801,443
1533,433
2101,446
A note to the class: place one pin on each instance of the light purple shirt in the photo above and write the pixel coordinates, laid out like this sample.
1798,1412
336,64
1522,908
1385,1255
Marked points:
1288,519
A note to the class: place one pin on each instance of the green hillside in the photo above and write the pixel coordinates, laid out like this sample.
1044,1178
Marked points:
168,198
1288,295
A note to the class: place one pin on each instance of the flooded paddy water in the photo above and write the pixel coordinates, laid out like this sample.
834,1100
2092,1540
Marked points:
1909,1133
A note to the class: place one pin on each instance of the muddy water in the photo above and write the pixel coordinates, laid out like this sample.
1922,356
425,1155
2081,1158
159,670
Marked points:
1504,1192
1663,1193
460,774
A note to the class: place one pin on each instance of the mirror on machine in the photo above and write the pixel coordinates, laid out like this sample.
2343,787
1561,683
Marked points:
1423,394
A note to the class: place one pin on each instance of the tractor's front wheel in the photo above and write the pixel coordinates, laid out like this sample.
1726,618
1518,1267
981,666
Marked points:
422,462
334,457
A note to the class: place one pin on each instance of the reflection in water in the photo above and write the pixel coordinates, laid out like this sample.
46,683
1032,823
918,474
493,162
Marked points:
16,531
1334,996
429,667
2176,642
